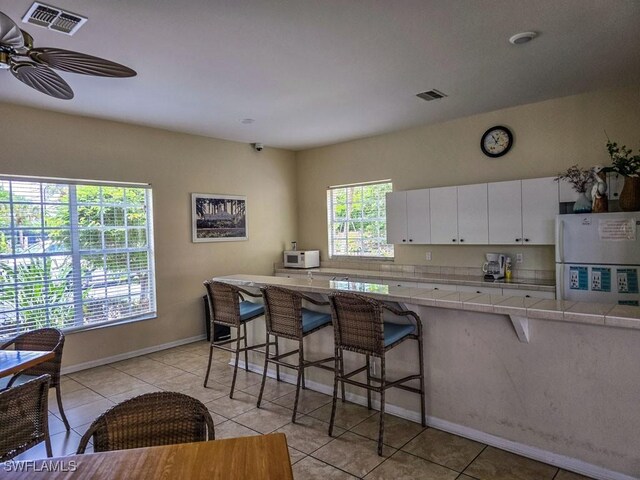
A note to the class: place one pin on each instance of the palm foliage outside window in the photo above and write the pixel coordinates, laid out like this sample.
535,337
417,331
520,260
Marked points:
73,255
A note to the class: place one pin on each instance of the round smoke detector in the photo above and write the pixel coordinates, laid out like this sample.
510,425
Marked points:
522,37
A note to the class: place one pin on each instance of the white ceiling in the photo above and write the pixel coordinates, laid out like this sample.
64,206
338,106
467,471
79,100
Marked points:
317,72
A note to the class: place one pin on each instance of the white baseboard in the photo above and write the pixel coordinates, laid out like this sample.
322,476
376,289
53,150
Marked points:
124,356
557,460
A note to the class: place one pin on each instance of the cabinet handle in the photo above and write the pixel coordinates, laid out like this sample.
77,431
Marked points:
615,194
411,239
478,291
453,239
526,239
518,239
403,240
436,288
527,296
461,240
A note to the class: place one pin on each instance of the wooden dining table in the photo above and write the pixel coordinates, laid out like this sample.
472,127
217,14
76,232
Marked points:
261,457
14,361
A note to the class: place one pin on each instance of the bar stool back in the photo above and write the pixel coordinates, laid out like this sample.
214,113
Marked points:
359,327
228,307
287,318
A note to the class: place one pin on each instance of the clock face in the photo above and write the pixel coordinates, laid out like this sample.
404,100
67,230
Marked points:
496,141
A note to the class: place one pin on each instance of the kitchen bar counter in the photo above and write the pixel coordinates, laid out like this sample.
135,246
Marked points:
563,391
468,280
520,309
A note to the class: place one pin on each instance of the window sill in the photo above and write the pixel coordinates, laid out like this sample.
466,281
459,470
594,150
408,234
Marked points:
361,258
107,324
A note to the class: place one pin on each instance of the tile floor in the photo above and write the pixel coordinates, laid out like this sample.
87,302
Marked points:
411,452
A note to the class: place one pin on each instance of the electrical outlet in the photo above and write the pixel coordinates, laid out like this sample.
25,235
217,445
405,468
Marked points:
519,258
427,256
623,283
596,280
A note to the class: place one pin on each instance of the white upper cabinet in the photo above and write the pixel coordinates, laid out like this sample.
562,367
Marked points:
505,212
523,211
539,210
518,212
418,216
444,215
397,217
408,217
473,215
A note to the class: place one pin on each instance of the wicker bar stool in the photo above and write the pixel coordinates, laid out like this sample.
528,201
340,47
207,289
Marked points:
151,419
228,307
287,318
43,339
24,419
359,327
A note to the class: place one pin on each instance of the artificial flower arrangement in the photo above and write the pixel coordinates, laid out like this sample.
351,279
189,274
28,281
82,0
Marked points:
580,178
622,161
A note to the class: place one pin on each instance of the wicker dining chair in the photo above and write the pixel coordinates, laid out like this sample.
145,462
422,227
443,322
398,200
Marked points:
44,339
287,318
359,327
24,417
227,306
157,418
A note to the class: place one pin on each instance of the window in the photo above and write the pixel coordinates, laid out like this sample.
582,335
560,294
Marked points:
358,220
74,255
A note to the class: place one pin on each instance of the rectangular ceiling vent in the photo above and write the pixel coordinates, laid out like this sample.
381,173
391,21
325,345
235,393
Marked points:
431,95
53,18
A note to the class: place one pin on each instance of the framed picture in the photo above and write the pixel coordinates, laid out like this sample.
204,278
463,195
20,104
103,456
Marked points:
218,218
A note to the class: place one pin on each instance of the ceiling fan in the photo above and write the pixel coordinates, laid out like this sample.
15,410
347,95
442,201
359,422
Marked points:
33,66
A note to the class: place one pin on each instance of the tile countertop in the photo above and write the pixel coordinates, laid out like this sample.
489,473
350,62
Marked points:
610,315
470,280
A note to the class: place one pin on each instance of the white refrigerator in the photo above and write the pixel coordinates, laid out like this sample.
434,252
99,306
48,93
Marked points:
598,257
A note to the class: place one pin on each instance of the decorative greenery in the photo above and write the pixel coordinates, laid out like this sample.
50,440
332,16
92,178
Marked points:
579,177
623,162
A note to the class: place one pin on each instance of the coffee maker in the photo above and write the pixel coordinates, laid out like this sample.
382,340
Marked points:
494,267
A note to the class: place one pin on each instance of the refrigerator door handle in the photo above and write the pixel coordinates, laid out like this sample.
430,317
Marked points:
560,281
559,240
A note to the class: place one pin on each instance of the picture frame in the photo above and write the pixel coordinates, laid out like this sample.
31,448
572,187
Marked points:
218,218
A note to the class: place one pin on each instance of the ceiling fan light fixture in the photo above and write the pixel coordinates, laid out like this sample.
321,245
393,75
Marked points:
522,37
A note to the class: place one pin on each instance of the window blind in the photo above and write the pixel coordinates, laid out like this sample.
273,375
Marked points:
357,220
74,255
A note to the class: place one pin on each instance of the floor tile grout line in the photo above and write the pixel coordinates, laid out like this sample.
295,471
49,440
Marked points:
333,466
474,459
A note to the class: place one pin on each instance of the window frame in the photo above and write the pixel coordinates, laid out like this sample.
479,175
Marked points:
381,207
78,290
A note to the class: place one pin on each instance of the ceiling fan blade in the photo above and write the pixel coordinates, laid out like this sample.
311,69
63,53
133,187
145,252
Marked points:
10,33
42,78
76,62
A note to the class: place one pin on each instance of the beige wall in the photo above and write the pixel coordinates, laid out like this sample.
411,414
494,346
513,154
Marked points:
549,137
36,142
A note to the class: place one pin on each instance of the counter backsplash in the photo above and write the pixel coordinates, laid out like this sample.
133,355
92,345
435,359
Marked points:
386,266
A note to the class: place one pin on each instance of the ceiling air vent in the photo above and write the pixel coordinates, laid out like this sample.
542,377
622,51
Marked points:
431,95
53,18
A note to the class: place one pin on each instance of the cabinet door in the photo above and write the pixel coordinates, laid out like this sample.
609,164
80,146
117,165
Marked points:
505,213
539,209
397,217
473,214
418,223
444,215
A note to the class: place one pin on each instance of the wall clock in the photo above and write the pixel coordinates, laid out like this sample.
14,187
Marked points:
496,141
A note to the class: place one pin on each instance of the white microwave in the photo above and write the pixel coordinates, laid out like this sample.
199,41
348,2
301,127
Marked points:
302,258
